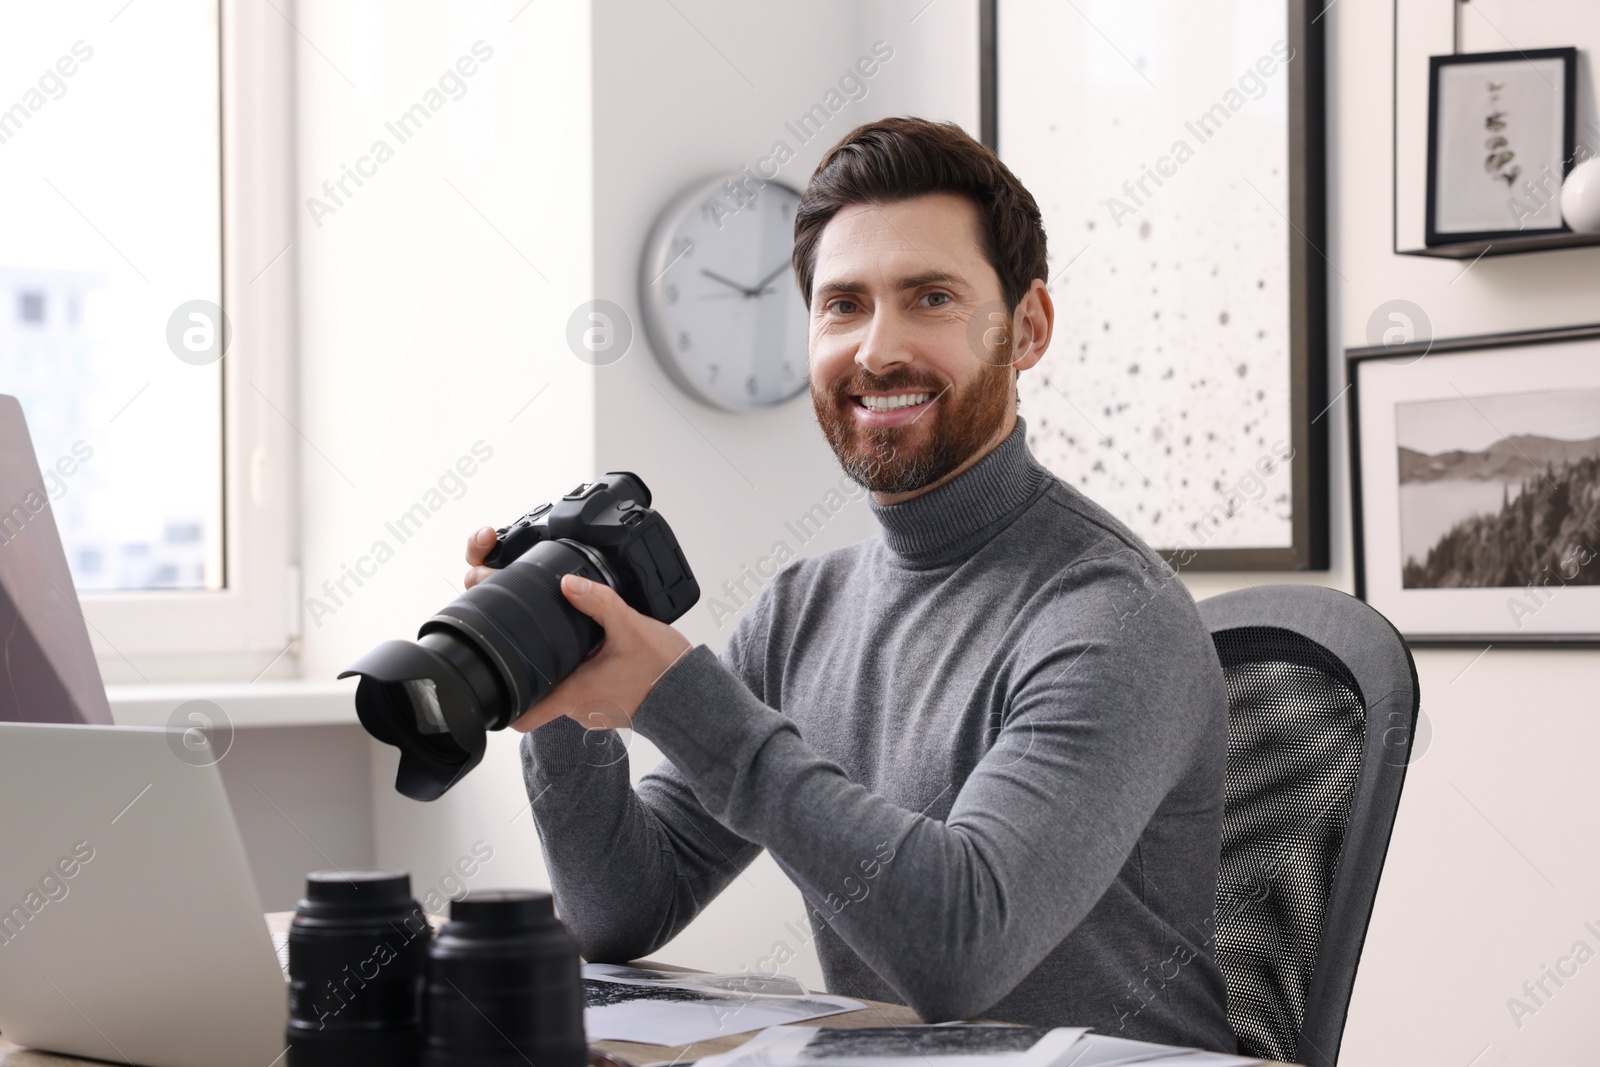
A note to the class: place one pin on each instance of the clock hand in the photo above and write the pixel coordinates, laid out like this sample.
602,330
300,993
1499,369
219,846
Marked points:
762,284
746,293
726,281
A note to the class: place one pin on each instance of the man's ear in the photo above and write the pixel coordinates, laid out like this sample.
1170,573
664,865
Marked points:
1032,322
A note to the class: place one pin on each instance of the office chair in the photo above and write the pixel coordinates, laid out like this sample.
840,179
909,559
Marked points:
1322,705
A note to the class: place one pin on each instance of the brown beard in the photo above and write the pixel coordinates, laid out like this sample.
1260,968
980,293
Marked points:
881,459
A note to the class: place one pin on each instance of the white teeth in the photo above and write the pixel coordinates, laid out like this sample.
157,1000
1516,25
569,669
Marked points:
889,403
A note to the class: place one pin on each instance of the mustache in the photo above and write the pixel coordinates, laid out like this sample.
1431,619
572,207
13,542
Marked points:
867,382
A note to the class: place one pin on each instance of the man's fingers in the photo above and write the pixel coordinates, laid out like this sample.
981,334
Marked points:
479,544
595,599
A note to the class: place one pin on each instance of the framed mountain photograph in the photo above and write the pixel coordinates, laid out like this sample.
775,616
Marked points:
1475,465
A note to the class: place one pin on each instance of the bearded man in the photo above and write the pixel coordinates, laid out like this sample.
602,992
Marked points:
988,744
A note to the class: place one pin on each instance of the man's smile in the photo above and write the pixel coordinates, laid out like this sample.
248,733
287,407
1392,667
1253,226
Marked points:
892,408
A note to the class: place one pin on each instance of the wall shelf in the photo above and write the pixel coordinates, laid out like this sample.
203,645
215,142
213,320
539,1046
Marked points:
1423,29
1504,246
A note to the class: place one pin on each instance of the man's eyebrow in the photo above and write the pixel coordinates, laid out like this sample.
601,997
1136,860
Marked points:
910,281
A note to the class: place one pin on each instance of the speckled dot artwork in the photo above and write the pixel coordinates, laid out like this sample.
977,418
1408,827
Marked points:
1153,135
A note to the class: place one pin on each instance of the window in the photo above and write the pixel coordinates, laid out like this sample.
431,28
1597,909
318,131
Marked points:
141,162
98,253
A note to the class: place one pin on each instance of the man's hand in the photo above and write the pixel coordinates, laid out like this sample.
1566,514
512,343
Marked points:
609,685
479,545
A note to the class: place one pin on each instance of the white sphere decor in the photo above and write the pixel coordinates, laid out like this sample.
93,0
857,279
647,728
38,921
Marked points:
1580,197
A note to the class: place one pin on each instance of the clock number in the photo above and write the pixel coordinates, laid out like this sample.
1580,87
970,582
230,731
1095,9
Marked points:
712,367
751,386
788,370
671,293
681,246
683,340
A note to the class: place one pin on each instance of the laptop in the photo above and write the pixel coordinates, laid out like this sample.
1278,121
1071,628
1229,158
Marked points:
130,929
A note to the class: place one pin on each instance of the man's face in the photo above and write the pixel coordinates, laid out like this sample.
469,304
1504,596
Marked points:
910,350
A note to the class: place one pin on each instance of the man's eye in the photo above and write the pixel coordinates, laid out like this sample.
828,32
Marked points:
844,307
945,298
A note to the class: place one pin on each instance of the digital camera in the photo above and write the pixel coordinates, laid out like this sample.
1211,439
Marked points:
502,645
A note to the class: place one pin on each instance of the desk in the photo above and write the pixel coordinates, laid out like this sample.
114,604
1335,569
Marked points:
875,1014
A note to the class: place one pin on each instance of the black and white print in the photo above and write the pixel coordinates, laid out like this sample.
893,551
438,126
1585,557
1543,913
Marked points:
1495,490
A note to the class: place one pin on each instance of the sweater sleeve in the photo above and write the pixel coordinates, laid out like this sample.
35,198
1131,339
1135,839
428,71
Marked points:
629,868
1103,717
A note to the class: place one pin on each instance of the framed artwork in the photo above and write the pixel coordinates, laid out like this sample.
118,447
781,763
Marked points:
1475,466
1177,154
1500,143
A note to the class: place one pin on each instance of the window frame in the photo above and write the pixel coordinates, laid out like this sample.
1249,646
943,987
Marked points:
251,627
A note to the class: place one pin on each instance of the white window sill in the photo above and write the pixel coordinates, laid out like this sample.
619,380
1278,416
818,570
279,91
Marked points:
245,704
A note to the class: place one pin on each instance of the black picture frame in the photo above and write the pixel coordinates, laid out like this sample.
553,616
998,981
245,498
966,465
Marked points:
1568,97
1306,137
1515,342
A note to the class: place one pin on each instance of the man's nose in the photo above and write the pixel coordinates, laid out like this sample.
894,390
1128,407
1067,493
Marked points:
884,345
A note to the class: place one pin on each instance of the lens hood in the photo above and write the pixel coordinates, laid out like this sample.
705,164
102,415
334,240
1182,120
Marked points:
428,767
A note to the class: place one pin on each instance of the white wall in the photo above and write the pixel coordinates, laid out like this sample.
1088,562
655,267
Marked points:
427,326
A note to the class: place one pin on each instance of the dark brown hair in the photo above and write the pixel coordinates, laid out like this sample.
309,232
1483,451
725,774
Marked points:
899,158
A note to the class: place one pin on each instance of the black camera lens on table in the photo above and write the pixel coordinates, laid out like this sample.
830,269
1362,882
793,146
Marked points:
358,954
506,642
504,986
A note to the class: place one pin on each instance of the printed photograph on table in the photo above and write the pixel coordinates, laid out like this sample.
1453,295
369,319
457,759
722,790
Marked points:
955,1045
655,1007
1500,143
1476,474
1177,154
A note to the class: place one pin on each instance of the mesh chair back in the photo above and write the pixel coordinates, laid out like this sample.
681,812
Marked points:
1322,704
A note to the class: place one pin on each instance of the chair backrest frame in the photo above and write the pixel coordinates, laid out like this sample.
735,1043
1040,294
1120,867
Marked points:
1377,658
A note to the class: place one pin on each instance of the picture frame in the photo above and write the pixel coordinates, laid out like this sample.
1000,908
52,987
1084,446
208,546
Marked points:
1203,428
1475,474
1501,138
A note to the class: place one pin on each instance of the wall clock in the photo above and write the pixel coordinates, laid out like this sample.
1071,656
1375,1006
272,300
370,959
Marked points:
721,307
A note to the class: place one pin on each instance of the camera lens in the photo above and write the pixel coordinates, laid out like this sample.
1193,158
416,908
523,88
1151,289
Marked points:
358,953
504,987
477,665
513,636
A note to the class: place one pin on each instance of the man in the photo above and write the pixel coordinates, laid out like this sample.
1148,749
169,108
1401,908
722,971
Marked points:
988,746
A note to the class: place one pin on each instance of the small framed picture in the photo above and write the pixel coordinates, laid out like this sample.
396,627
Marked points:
1475,467
1500,143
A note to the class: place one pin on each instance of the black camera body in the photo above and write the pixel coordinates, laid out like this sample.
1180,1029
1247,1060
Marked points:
502,645
613,516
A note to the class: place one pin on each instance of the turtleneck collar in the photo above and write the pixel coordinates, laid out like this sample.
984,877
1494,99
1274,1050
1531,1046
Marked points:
954,519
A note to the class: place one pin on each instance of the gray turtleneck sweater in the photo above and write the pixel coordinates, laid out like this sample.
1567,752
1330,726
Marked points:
987,746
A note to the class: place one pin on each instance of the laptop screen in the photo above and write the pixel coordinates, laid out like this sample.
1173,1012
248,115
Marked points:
47,671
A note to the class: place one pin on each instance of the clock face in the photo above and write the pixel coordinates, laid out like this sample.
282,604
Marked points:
721,307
